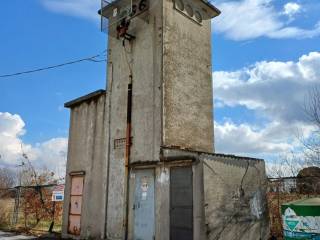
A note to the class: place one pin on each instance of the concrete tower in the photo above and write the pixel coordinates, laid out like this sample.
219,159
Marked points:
141,162
169,65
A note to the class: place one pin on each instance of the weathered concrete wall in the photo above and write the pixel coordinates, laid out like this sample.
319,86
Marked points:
187,82
116,127
232,213
87,152
143,56
146,100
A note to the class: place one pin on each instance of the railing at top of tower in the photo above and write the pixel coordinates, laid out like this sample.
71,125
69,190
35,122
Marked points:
109,12
114,11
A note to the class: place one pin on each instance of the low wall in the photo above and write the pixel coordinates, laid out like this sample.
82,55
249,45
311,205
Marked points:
235,197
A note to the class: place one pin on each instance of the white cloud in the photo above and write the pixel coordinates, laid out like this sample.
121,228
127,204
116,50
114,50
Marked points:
276,92
291,9
275,142
247,139
275,89
11,129
295,32
50,154
80,8
249,19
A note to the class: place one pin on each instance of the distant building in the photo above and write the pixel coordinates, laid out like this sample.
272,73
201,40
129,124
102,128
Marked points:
141,161
306,182
284,184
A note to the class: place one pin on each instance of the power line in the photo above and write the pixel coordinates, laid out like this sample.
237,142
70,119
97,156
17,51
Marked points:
94,59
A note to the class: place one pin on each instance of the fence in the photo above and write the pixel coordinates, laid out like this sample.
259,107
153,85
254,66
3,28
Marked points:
284,190
30,209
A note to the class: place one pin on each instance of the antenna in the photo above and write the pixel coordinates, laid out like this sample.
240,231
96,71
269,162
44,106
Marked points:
115,13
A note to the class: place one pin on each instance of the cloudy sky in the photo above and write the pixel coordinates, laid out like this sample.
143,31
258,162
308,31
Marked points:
266,58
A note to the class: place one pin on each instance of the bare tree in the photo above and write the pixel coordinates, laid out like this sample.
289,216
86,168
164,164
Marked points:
312,143
37,199
313,106
7,178
286,165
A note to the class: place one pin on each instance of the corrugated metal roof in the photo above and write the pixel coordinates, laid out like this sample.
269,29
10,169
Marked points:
84,98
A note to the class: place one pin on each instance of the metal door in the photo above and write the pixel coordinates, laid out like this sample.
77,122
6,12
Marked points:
181,203
75,204
144,205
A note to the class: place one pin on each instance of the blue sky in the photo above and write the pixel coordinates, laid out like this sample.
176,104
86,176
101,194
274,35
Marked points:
36,37
265,58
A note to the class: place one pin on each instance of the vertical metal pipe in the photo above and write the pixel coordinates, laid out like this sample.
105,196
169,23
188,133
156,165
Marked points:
127,153
108,124
128,130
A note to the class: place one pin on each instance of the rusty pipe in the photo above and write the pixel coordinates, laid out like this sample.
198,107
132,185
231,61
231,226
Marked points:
128,151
